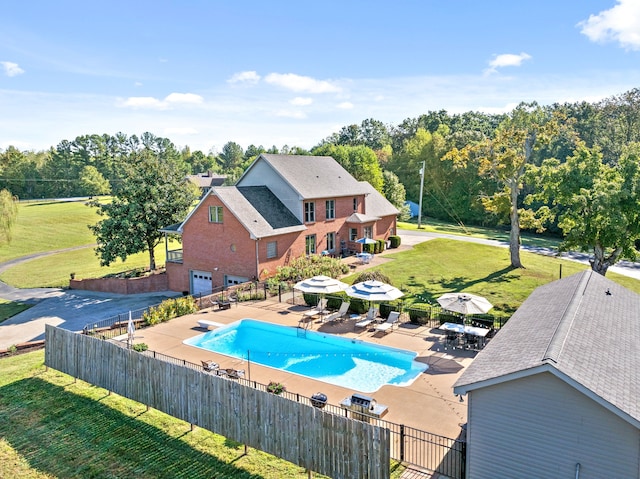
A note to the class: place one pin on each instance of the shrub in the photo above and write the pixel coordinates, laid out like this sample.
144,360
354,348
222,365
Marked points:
140,347
169,309
394,241
419,316
276,388
13,349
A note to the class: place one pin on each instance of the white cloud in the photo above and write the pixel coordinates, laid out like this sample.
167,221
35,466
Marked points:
245,77
619,24
137,84
11,69
345,105
184,98
507,60
173,99
143,102
301,101
294,82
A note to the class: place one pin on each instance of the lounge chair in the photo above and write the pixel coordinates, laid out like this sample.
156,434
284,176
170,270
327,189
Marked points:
233,373
210,366
318,309
371,316
392,320
340,314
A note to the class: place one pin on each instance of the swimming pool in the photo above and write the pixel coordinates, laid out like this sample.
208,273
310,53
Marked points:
350,363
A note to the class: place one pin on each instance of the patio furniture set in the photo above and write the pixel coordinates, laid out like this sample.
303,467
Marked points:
214,368
464,336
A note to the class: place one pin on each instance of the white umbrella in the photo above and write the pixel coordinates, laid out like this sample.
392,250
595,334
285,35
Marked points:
320,285
374,291
464,303
131,329
366,241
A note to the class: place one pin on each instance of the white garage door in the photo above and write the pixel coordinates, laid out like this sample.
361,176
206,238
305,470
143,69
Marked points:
200,283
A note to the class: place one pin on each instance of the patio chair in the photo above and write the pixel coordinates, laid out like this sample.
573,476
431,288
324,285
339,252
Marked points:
234,373
392,320
340,314
209,366
318,309
371,316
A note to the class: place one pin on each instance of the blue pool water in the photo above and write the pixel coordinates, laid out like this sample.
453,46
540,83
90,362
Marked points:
350,363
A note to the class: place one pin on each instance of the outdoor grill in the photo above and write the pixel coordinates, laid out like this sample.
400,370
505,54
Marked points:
360,402
319,400
363,407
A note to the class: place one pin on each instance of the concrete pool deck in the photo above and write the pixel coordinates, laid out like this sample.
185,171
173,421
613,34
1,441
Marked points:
428,403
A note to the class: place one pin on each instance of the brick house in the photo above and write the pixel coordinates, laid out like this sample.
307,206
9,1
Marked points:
282,207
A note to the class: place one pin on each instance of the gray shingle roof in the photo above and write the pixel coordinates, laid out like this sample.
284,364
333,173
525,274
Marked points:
584,326
314,176
376,204
259,210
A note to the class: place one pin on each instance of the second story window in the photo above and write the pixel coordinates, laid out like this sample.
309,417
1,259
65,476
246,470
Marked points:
355,204
215,214
309,212
331,209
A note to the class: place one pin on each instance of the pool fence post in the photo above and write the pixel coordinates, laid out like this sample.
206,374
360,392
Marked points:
248,366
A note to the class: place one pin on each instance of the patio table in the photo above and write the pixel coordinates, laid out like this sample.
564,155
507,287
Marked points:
463,330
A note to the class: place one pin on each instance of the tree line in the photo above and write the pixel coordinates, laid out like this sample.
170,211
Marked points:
570,168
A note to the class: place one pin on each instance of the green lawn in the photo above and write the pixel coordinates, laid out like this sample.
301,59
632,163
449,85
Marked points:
49,226
437,226
440,266
51,427
9,308
54,270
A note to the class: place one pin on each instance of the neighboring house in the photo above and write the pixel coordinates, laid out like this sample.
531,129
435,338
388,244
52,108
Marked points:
556,393
205,181
282,207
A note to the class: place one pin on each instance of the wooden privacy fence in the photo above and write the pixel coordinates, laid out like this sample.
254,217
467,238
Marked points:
335,446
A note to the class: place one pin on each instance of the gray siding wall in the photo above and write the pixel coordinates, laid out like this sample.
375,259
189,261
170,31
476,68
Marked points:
540,427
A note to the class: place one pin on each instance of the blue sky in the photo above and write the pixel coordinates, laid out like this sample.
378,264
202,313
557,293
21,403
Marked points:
205,72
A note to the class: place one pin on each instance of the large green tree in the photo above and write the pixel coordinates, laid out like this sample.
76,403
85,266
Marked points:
505,157
360,161
596,205
154,193
8,215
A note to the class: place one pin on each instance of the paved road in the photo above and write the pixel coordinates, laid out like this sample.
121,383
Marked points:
72,309
68,309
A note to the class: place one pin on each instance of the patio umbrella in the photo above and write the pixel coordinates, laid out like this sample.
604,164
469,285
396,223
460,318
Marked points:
131,330
464,303
366,241
320,285
374,291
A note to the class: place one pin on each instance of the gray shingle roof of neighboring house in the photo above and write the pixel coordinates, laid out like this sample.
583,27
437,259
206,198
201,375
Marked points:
584,329
259,210
207,180
314,176
376,204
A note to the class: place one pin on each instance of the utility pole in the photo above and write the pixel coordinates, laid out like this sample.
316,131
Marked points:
421,188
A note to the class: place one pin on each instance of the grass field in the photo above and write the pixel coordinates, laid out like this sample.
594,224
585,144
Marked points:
53,427
440,266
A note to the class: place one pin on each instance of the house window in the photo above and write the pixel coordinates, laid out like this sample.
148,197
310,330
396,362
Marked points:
310,244
309,212
331,241
353,234
215,214
368,232
355,204
331,209
272,249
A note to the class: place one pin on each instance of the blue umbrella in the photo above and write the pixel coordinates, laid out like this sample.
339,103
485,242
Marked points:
366,241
